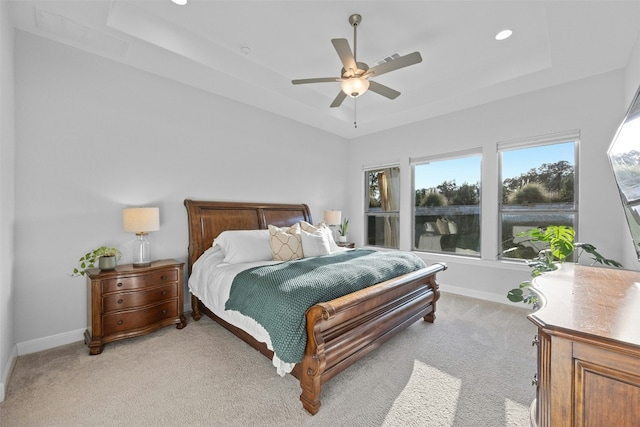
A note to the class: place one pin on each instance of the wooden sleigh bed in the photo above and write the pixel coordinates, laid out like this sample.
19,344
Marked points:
339,332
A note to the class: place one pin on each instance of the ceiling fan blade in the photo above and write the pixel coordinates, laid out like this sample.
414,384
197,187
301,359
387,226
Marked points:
345,54
403,61
317,80
383,90
338,101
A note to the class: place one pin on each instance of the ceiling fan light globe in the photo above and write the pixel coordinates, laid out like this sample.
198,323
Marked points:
355,86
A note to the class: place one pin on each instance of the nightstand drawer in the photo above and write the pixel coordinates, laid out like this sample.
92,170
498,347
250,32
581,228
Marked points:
131,320
139,281
124,300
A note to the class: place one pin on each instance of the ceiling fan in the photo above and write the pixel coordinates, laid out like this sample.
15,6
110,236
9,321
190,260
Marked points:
355,75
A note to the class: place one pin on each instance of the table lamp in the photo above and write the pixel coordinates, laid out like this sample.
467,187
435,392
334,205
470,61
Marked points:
333,219
141,221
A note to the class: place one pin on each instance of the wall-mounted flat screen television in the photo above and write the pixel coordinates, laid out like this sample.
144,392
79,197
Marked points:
624,155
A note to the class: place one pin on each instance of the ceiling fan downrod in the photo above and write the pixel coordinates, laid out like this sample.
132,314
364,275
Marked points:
355,20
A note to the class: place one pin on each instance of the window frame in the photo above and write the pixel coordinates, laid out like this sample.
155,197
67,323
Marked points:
382,214
540,141
416,161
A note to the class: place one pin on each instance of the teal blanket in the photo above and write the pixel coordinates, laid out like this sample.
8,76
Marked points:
278,296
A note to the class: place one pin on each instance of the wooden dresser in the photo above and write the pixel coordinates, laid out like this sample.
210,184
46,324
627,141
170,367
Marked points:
588,347
131,301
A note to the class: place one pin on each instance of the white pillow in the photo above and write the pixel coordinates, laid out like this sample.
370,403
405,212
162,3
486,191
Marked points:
333,247
285,243
244,245
315,244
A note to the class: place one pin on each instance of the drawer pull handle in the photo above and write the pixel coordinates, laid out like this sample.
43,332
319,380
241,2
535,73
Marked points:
120,322
534,381
119,284
163,277
164,311
164,292
535,341
120,301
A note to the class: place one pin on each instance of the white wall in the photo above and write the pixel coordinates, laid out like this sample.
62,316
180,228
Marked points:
594,106
94,136
7,198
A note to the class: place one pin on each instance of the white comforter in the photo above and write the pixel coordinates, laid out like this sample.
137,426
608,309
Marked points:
211,280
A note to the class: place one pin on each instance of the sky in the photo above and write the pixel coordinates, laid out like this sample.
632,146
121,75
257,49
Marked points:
514,163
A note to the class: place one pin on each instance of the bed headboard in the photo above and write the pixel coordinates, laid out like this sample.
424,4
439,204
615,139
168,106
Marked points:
208,219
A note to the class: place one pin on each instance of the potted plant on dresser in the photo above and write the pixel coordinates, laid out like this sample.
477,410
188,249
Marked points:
107,259
562,246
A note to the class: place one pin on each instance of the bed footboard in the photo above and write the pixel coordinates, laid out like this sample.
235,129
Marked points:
342,331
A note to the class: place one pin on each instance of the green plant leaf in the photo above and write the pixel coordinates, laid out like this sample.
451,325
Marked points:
596,256
515,295
560,238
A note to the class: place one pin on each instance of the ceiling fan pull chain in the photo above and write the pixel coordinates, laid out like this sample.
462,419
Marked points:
355,113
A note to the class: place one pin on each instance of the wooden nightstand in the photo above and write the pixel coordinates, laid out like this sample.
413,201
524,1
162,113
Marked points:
132,301
349,245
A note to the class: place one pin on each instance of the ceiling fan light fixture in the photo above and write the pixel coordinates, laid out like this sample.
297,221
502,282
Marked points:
355,86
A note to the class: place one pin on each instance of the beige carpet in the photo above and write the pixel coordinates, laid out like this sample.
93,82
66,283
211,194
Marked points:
472,367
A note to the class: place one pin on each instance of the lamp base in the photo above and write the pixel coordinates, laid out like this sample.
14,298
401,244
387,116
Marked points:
141,264
141,251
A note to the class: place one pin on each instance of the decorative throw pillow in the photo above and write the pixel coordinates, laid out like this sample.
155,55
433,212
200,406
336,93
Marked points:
315,244
324,228
453,227
286,243
442,226
244,245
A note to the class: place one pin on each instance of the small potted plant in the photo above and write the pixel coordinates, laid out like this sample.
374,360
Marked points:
106,257
342,230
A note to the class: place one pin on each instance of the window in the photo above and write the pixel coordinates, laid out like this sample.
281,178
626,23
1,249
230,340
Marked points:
447,204
538,188
382,207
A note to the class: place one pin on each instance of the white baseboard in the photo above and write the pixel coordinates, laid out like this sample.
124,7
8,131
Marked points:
6,373
487,296
52,341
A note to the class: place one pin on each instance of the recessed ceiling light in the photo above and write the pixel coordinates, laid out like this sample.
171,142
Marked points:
504,34
180,2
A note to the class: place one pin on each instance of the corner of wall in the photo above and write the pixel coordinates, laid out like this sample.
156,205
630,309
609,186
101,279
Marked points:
6,372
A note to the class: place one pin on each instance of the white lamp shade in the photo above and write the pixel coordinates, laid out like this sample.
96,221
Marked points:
332,217
141,220
355,86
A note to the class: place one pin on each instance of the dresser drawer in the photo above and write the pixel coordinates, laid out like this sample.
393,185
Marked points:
124,300
139,281
131,320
